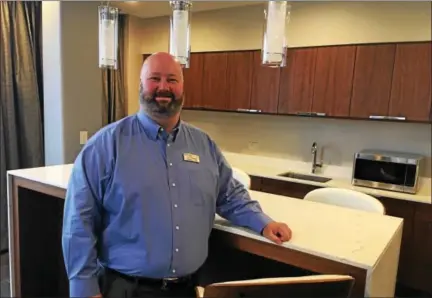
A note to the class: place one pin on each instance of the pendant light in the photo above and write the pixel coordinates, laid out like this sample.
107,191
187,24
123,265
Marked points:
108,36
179,43
274,46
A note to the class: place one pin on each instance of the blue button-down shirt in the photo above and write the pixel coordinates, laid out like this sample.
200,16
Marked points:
143,202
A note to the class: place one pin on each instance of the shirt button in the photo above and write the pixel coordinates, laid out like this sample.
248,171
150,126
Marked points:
176,249
168,145
171,164
173,271
173,184
177,227
175,205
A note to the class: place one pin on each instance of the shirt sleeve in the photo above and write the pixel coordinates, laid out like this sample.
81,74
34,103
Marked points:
234,202
81,220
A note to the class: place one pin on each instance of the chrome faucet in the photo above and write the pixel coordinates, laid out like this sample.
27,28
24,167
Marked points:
314,154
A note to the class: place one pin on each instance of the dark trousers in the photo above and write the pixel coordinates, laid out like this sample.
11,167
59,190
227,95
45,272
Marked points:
115,285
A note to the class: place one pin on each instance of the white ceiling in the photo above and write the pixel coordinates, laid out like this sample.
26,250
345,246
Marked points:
151,9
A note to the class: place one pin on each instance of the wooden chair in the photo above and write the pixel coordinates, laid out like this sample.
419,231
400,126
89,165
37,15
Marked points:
304,286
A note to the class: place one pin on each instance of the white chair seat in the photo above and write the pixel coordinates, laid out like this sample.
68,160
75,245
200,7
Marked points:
346,198
242,177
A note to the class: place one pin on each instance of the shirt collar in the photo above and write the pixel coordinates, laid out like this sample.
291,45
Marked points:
154,130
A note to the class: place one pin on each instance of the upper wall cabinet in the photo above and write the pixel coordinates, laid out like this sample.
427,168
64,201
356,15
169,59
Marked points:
372,81
333,80
297,82
265,86
411,85
214,81
239,78
193,88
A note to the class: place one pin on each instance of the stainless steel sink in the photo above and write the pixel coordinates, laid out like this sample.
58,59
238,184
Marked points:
305,177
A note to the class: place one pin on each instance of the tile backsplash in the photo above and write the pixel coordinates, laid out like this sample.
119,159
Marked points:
292,137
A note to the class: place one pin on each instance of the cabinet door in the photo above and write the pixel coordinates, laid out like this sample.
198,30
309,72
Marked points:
422,276
193,83
239,80
372,80
297,82
265,86
333,80
214,93
411,85
405,210
286,188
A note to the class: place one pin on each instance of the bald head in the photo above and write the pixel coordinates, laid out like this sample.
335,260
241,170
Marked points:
162,63
161,86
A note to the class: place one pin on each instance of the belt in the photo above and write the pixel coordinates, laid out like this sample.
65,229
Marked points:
163,283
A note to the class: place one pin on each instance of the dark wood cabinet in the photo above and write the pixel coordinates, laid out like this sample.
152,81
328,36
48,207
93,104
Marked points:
286,188
333,80
372,80
297,82
390,81
411,85
265,86
405,210
193,88
214,81
422,248
239,78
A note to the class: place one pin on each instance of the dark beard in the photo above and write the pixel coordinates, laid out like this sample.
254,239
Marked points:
154,108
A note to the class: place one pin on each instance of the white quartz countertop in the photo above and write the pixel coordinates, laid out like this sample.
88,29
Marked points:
349,236
270,167
344,235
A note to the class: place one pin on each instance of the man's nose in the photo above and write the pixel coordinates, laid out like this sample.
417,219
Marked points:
163,85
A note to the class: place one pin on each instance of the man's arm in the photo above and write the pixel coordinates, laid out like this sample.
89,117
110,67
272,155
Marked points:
81,222
234,202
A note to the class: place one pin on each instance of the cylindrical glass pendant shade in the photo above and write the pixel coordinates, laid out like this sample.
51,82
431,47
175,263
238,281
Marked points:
108,37
274,45
180,31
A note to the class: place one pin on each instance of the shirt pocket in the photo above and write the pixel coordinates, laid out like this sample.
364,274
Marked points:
202,184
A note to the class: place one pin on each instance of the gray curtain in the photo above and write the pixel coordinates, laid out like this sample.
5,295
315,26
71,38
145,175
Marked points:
21,106
113,82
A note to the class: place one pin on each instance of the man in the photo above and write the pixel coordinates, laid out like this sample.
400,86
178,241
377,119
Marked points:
142,197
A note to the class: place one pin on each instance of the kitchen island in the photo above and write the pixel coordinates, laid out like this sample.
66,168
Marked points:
326,239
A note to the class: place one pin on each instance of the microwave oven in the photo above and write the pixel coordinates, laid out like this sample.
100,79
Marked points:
388,170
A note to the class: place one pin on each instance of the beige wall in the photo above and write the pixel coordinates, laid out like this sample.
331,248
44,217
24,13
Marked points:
311,24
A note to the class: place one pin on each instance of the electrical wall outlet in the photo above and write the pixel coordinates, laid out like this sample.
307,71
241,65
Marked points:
83,137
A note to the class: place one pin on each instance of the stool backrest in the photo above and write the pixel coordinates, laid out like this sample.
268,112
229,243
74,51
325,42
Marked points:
346,198
305,286
242,177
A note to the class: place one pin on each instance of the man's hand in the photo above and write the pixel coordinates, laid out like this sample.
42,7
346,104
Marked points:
277,232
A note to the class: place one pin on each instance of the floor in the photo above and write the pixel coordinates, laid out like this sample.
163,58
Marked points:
4,275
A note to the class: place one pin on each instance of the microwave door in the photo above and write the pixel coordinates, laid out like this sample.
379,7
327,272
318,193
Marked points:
381,174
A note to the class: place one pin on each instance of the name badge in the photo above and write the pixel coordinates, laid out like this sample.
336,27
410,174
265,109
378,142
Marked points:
191,157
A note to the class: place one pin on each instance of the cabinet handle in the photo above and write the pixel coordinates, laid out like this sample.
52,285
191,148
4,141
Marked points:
249,110
377,117
303,113
312,114
397,118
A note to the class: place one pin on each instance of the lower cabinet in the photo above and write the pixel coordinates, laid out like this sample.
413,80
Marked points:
415,262
280,187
